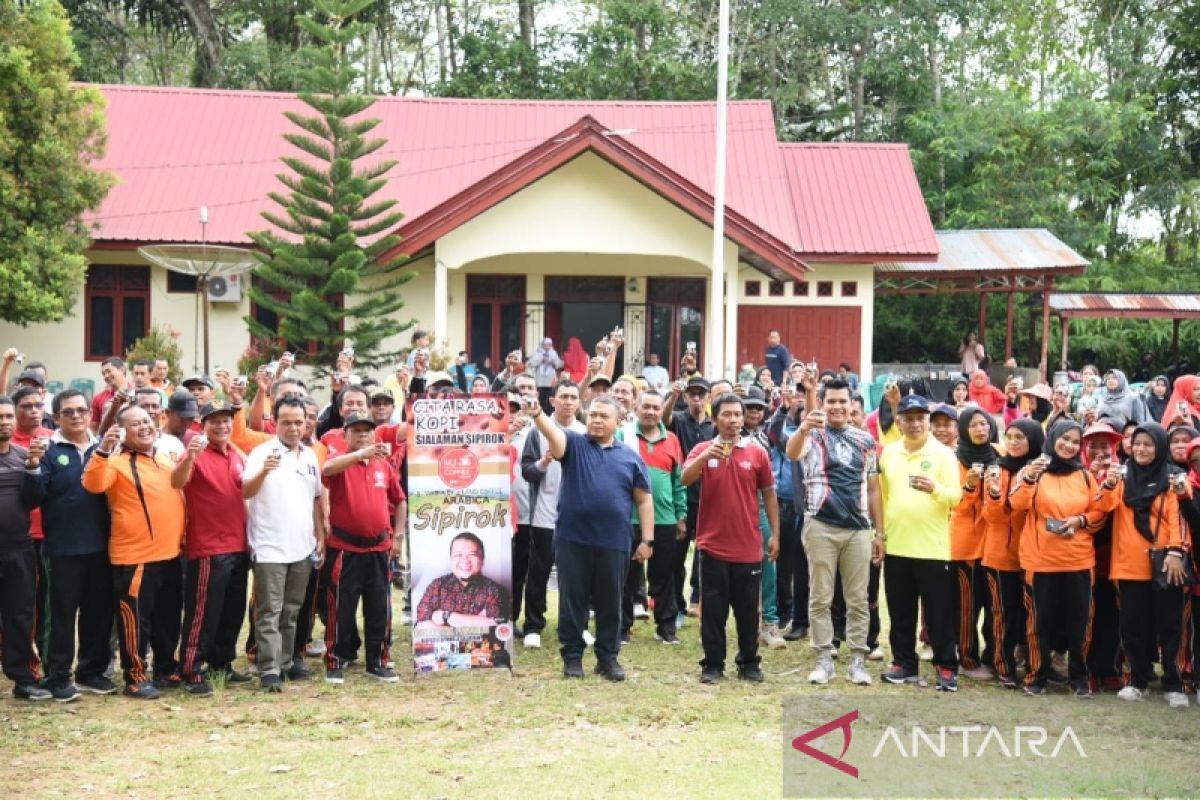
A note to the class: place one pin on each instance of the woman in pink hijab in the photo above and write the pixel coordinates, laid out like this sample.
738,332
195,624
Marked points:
576,359
1187,392
984,395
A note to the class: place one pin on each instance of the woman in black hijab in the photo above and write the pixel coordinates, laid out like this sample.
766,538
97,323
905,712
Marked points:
1001,564
977,434
1147,519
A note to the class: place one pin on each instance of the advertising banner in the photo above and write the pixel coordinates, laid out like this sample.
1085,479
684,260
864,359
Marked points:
460,532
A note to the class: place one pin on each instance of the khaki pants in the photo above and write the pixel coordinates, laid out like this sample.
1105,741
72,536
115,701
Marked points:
278,594
832,550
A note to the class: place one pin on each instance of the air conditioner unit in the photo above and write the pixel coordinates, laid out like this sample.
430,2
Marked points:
225,289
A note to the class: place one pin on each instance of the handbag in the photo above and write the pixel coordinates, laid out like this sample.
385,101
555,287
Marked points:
1158,557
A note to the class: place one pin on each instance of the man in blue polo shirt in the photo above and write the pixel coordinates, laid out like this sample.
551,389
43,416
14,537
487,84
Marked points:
601,481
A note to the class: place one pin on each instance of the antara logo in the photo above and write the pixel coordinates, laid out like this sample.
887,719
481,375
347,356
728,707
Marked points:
801,743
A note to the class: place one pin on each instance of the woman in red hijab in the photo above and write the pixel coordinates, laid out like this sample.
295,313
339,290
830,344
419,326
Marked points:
1101,448
984,395
1187,392
576,359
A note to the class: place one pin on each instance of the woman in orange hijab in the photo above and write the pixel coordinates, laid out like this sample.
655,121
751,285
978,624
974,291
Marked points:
1185,394
984,395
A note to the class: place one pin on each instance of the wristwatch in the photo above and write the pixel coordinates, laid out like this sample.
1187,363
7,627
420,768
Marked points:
648,542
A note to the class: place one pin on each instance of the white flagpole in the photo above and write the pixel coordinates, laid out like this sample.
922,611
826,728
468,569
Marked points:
716,294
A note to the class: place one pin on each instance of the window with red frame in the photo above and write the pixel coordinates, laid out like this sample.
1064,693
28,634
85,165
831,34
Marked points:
116,309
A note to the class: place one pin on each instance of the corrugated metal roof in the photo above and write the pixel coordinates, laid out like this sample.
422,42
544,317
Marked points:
858,199
1013,250
174,150
1103,304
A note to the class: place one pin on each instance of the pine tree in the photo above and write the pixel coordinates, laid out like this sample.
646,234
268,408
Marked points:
327,258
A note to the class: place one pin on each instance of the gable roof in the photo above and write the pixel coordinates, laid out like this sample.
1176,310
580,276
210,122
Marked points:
857,201
175,150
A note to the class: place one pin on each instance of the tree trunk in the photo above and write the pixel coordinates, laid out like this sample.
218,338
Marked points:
935,74
208,40
443,60
525,20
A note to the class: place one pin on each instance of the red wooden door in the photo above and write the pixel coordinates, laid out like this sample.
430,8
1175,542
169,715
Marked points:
826,334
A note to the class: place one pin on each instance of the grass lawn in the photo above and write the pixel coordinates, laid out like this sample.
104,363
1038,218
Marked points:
534,734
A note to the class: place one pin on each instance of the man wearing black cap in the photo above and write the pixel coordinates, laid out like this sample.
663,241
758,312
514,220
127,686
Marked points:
210,474
920,483
182,411
943,424
754,413
691,425
367,516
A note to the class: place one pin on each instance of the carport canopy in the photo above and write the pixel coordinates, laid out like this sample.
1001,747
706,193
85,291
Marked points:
1175,306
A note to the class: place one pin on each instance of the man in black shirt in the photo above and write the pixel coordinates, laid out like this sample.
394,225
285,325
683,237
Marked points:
691,425
20,492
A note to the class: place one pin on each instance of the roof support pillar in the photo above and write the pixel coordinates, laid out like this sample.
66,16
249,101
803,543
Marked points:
1044,361
1008,328
1175,340
441,301
1065,323
983,320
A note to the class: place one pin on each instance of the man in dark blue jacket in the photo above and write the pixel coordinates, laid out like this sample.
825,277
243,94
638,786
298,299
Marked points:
76,552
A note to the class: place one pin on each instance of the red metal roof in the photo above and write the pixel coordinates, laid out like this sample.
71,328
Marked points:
858,199
1184,305
175,150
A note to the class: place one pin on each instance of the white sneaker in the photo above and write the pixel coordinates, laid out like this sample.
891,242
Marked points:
533,641
640,612
769,636
857,672
824,670
875,655
1130,693
1176,699
588,638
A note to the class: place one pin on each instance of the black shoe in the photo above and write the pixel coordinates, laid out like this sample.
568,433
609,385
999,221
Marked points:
751,672
796,633
272,683
611,671
142,691
96,684
573,668
383,674
626,637
30,691
64,692
233,677
667,638
899,675
200,687
711,675
1083,691
1035,689
947,680
172,681
299,672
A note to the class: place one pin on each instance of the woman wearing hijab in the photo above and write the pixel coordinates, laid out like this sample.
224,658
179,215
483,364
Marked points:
1179,436
1064,508
575,359
1185,401
959,394
1158,396
1060,405
1190,506
1148,518
1001,563
983,394
976,452
1118,402
1101,448
1089,395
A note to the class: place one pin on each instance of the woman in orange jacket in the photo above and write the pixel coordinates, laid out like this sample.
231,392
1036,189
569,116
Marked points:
1101,449
976,435
1147,519
1001,565
1065,505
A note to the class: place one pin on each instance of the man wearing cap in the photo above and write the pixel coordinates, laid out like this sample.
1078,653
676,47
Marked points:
79,577
147,528
367,517
943,424
181,413
202,388
920,483
287,528
218,553
843,526
599,384
691,425
754,406
34,375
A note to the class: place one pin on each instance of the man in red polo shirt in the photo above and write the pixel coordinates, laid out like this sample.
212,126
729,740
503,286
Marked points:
734,470
30,409
367,514
112,369
210,474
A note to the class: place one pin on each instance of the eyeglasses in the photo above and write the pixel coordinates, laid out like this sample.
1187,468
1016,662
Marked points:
73,412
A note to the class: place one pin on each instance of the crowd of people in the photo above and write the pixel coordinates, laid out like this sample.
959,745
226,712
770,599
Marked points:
1022,536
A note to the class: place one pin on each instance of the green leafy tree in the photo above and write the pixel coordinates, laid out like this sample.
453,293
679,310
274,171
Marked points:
50,132
327,256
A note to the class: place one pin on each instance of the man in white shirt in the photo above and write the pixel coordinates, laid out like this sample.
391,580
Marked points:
656,375
287,528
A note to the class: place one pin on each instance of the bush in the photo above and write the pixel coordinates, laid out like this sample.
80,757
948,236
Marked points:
162,341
